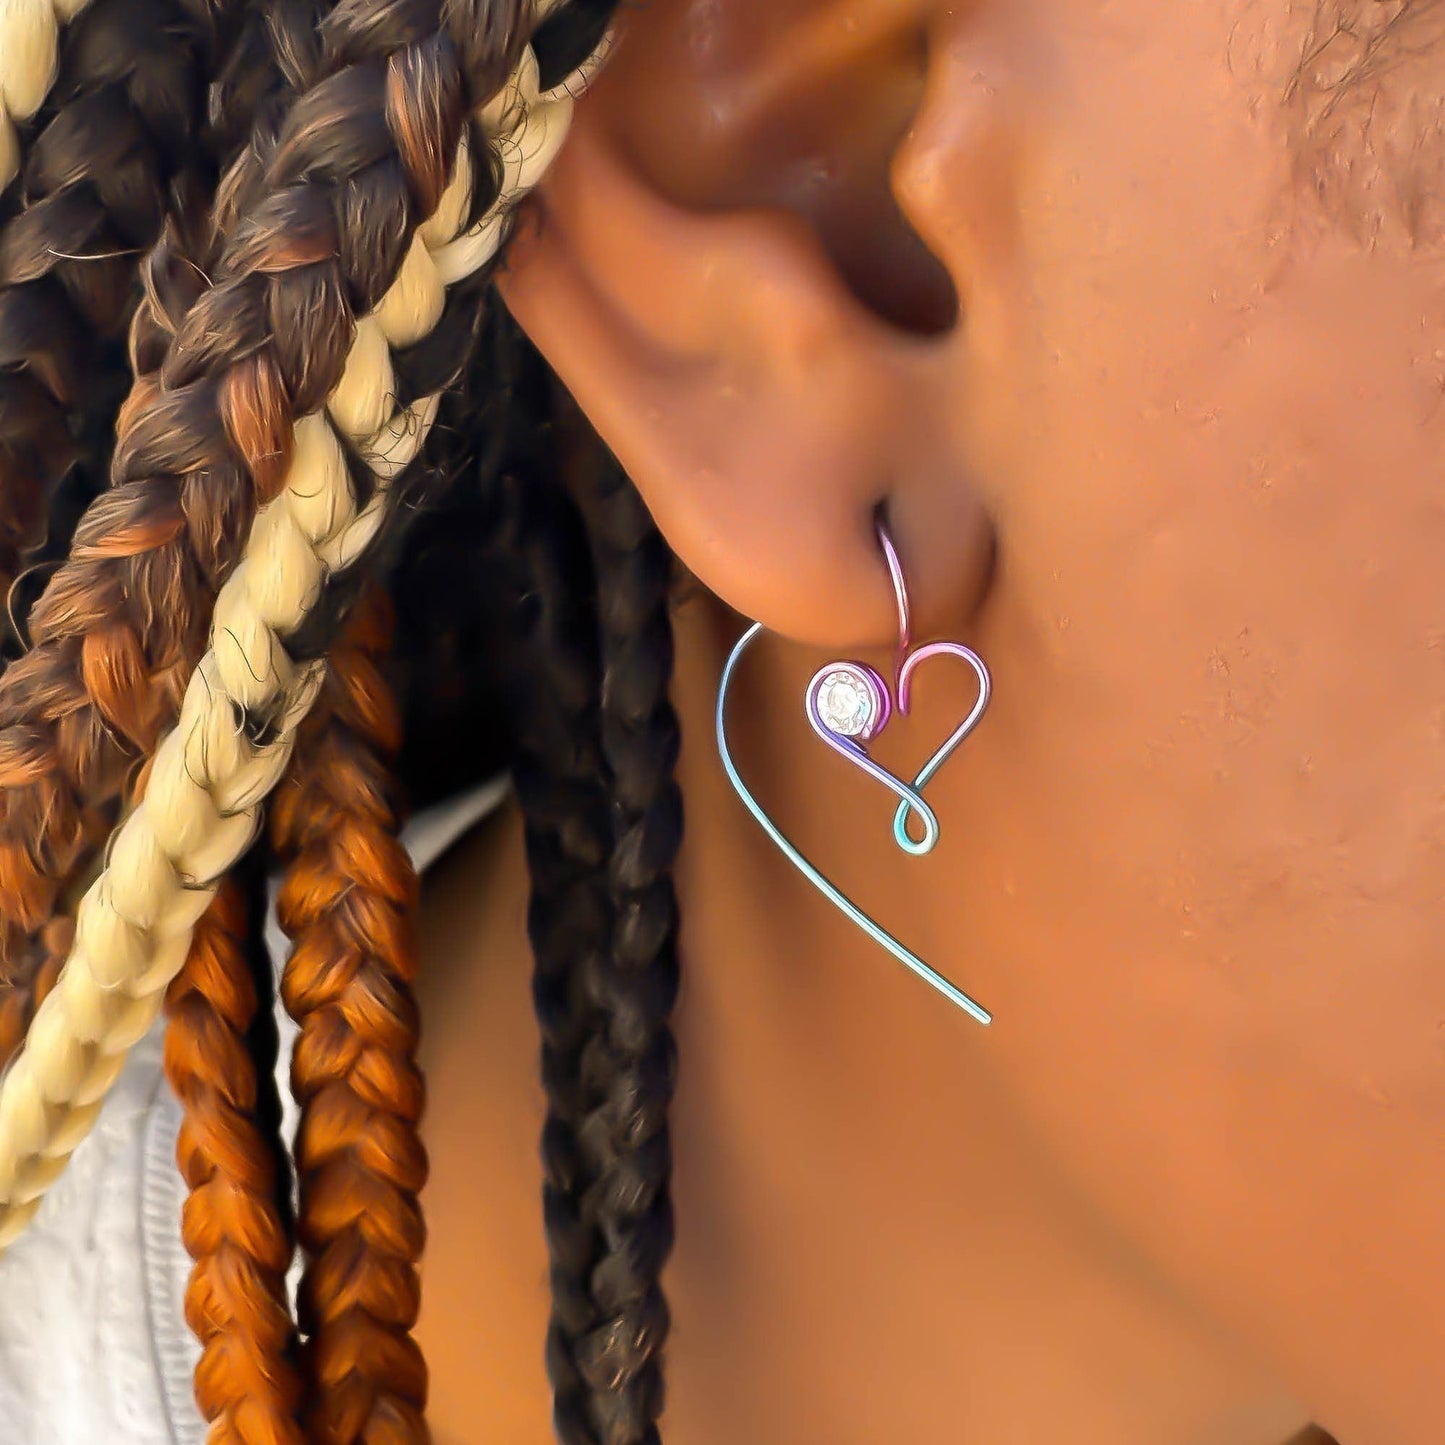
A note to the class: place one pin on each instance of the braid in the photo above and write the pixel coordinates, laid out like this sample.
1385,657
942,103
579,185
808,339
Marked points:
252,75
630,1062
120,145
194,454
120,627
608,1318
246,1385
348,903
274,57
279,32
601,917
552,661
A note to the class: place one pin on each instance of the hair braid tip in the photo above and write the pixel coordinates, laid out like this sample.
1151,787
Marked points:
209,776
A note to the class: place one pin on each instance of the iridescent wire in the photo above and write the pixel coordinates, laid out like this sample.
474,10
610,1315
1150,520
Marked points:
825,886
900,591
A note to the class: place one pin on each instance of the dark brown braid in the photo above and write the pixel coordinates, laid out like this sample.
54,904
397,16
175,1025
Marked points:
546,644
534,591
121,146
246,1382
361,158
629,1064
348,904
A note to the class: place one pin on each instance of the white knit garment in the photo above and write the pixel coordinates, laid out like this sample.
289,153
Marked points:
94,1348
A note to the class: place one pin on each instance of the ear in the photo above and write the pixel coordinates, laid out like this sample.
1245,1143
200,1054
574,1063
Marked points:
718,269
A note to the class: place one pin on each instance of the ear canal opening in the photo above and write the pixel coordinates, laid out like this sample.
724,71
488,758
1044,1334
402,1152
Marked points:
882,259
889,270
818,143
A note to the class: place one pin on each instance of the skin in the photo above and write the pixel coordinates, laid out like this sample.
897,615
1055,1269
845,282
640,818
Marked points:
1135,316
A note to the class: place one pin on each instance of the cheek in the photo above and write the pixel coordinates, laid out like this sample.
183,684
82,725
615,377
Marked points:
1209,877
1221,522
1220,612
1213,776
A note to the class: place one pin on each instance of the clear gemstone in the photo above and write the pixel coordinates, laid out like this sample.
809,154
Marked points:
845,703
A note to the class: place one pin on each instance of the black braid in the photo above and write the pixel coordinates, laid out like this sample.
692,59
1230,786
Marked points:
530,608
562,783
630,1063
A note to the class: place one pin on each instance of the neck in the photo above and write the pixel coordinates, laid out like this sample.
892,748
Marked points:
895,1231
872,1242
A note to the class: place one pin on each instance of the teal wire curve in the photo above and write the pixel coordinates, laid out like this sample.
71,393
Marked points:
825,886
912,799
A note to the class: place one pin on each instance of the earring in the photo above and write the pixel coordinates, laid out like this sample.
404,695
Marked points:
848,704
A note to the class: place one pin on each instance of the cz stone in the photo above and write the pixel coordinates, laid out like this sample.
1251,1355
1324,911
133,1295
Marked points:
845,703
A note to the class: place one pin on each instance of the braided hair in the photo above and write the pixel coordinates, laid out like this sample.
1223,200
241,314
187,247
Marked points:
305,417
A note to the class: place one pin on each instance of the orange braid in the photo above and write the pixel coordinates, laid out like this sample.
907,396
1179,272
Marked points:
247,1386
348,903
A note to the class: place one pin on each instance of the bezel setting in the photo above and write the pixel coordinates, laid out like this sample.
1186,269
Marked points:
849,700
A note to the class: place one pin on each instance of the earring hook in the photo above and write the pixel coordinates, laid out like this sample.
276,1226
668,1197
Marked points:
900,589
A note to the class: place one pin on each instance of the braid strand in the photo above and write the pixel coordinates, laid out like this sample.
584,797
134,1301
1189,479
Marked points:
246,1383
630,1062
348,903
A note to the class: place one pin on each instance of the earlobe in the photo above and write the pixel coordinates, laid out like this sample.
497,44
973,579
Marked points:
763,411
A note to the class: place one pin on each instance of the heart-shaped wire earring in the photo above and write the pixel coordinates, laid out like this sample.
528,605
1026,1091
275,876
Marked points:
848,704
